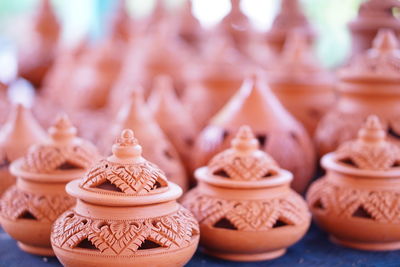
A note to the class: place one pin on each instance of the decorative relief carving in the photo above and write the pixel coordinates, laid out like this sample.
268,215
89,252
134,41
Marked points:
122,237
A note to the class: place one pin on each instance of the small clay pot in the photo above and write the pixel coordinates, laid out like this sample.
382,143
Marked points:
19,132
300,83
126,215
278,132
244,204
29,208
357,200
157,148
370,84
290,17
373,15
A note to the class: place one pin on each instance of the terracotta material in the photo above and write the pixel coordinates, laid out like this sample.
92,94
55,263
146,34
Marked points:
279,133
301,84
357,200
126,215
213,81
370,84
157,148
373,15
37,55
290,17
189,27
29,208
19,132
173,118
244,205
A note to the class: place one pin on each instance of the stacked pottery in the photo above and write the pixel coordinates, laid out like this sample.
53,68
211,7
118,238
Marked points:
278,132
372,16
370,84
244,204
126,215
301,84
29,208
289,18
357,200
157,148
19,132
172,118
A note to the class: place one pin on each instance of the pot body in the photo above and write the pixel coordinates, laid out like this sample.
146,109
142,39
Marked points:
248,224
162,234
28,210
358,212
307,103
6,178
355,103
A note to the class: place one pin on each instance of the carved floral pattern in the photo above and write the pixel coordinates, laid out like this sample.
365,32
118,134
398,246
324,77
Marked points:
113,237
44,208
136,178
247,215
343,201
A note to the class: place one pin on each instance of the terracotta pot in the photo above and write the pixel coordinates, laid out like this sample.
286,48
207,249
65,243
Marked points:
126,215
357,200
244,205
19,132
173,118
136,115
189,27
37,55
290,17
213,81
278,132
29,208
368,85
301,84
373,15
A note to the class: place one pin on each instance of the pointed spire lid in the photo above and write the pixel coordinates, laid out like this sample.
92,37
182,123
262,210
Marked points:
380,63
121,29
63,153
46,23
243,161
371,150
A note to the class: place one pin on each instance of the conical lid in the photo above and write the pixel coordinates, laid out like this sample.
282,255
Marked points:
380,63
189,26
19,132
64,155
236,20
136,115
121,23
370,150
46,23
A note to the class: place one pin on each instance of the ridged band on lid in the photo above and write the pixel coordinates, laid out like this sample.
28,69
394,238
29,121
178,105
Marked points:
371,150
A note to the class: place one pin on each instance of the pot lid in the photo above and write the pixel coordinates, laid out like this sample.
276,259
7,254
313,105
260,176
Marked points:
46,23
298,64
370,151
125,177
63,154
380,63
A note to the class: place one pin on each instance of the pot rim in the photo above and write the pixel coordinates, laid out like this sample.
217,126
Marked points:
109,198
329,162
283,177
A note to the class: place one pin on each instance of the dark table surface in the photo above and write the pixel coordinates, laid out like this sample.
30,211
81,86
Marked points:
313,250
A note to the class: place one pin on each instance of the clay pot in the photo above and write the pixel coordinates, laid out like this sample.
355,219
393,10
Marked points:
29,208
373,15
126,215
189,27
172,117
136,115
370,84
357,200
278,132
244,205
37,56
290,17
301,84
213,81
19,132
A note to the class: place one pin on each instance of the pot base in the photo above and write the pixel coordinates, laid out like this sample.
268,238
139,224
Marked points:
246,257
41,251
366,246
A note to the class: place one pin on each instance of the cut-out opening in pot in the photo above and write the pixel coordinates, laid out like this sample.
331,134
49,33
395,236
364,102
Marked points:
262,140
221,173
27,215
148,244
86,244
224,223
318,205
69,166
361,212
280,223
107,185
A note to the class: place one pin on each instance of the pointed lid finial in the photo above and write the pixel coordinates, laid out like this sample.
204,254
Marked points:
385,41
62,130
371,150
126,148
244,140
46,21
